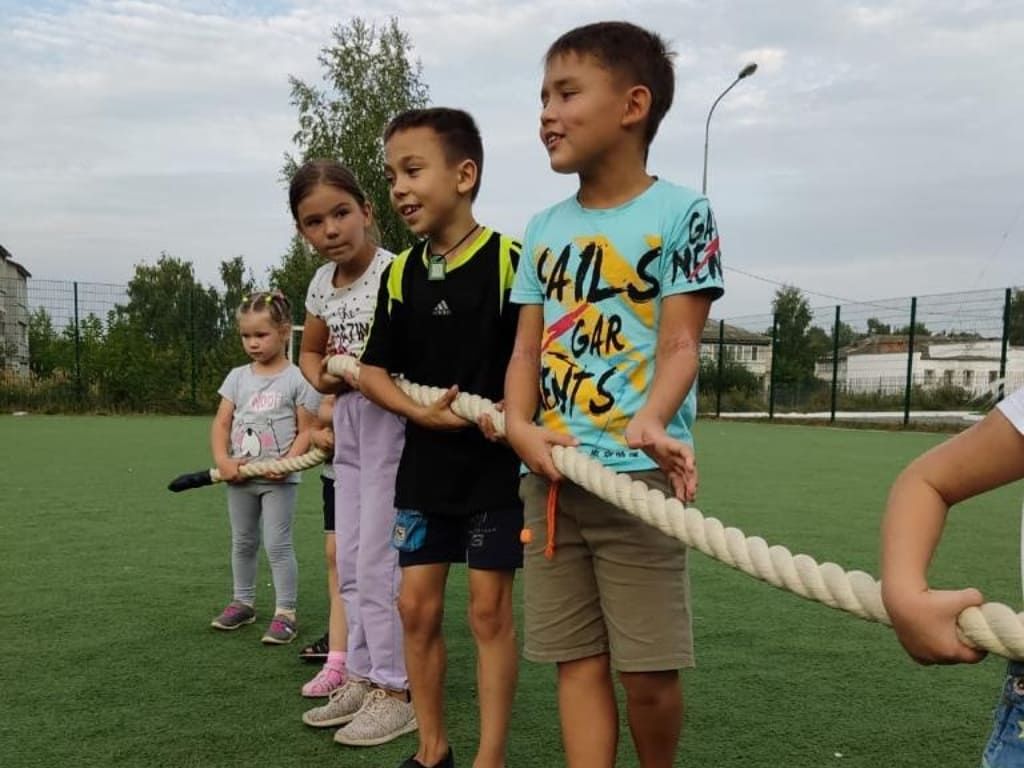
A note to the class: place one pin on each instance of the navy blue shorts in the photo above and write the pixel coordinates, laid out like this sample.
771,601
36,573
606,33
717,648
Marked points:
486,541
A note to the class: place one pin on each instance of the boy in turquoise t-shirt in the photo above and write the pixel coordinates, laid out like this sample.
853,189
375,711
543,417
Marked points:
615,285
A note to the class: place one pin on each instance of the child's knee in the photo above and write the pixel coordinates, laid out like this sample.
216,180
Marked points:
420,617
490,620
652,689
280,552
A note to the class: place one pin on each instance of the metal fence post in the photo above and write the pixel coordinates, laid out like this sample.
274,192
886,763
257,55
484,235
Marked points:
721,368
78,349
910,362
192,340
771,373
835,365
1007,302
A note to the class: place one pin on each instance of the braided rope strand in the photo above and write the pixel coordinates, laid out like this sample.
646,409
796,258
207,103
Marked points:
277,466
992,627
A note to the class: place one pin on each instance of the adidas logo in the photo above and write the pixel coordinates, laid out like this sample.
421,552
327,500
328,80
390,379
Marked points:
442,309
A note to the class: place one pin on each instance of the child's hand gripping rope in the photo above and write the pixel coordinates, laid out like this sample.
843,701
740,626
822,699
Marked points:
253,469
992,627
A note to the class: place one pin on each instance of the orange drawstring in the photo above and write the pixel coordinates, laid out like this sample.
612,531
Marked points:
549,548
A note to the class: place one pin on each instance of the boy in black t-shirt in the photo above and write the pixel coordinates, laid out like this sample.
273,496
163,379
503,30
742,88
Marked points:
443,319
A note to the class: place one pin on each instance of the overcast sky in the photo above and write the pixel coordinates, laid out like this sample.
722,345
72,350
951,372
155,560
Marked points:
875,153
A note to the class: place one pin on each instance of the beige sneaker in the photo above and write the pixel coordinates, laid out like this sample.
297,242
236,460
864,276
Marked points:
341,706
381,719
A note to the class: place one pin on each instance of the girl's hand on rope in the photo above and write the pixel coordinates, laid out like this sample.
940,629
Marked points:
228,470
439,414
674,457
323,439
487,424
337,384
925,623
533,445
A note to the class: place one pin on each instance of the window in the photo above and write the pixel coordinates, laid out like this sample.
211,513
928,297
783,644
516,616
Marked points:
992,376
929,375
947,377
968,378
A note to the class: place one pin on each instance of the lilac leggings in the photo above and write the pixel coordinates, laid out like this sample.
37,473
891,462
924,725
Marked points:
367,446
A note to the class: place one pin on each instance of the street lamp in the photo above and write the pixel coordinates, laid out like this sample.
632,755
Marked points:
747,71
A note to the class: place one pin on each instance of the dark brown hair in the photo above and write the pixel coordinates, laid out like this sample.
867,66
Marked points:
631,52
332,173
456,130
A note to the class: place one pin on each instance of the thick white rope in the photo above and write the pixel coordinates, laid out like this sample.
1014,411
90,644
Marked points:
277,466
992,627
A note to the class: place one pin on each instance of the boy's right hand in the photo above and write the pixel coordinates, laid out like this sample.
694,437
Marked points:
925,623
439,414
533,445
228,470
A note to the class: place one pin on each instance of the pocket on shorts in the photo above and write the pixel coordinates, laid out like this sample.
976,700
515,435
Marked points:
410,531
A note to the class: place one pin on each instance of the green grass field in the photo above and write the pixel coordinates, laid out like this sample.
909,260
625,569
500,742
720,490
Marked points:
109,583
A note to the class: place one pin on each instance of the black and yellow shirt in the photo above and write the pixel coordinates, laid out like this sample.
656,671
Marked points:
458,330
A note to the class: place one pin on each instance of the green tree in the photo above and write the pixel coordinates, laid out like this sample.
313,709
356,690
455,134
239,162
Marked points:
156,340
877,328
370,78
920,329
293,274
794,356
48,351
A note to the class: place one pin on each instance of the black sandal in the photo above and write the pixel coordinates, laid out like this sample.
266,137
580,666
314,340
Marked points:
316,651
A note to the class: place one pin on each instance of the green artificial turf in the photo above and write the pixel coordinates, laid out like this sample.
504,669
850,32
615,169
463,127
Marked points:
109,583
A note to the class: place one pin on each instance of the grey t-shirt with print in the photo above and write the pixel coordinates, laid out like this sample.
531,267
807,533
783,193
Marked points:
264,422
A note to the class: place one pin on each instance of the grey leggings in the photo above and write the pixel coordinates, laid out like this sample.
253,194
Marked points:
275,504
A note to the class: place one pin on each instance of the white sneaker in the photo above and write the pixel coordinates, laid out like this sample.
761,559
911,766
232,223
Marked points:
381,719
341,707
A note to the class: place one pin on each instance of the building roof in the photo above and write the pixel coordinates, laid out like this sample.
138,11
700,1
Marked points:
733,335
893,344
5,255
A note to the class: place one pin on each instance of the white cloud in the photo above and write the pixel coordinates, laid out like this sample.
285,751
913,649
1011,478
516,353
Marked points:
883,133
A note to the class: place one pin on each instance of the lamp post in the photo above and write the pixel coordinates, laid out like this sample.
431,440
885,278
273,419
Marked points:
746,72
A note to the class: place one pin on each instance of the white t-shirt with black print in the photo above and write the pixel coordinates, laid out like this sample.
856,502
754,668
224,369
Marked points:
347,311
1012,407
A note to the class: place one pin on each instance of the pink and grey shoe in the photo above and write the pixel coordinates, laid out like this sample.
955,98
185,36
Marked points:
235,615
280,632
326,681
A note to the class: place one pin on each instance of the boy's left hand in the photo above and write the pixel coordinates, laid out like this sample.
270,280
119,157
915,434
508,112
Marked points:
674,457
487,425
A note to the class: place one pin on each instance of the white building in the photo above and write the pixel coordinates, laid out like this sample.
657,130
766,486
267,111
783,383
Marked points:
14,312
750,349
879,364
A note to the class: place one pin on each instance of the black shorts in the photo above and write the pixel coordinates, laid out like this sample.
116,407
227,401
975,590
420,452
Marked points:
327,491
486,541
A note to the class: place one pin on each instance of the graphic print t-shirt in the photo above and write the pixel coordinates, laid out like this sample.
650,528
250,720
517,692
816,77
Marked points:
600,275
347,311
264,422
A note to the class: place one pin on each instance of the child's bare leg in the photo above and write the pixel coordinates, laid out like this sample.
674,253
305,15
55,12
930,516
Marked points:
654,706
421,606
590,718
337,627
490,619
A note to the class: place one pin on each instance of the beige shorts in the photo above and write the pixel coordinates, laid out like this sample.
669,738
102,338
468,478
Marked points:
615,585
